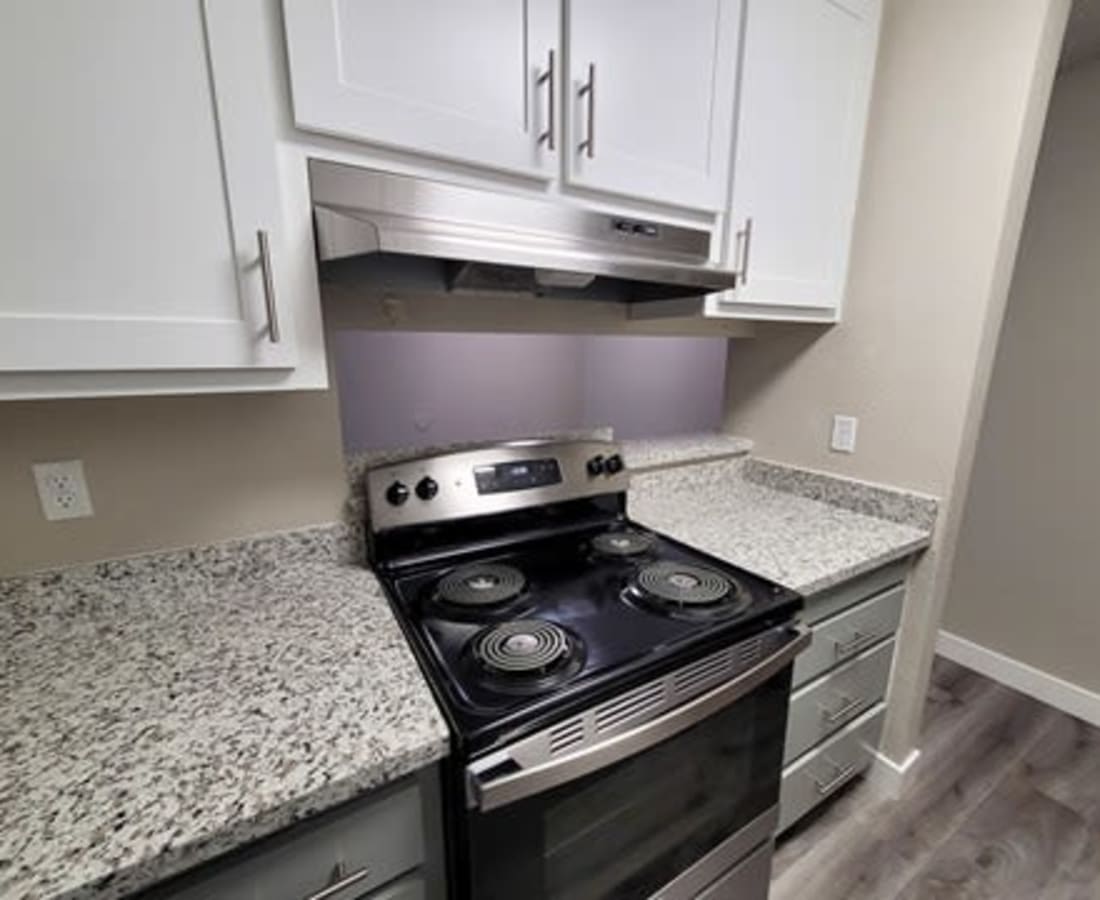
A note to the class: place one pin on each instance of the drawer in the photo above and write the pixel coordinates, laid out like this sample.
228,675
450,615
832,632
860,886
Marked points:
383,835
836,599
824,706
814,777
750,879
849,633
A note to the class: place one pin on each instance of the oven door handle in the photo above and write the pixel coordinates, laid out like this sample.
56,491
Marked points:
489,793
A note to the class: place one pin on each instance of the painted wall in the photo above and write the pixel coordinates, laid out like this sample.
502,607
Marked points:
1025,582
401,389
956,118
176,471
653,386
169,472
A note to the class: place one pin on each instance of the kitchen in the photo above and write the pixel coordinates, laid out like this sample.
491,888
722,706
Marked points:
233,705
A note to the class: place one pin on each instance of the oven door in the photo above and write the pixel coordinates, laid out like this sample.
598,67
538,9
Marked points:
665,807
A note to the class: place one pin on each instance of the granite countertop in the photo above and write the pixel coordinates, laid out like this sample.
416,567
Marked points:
805,530
659,453
160,711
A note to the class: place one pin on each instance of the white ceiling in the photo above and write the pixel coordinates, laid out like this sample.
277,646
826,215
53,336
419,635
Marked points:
1082,33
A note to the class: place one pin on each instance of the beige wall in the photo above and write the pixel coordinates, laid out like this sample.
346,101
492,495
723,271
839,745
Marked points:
956,118
1025,581
168,471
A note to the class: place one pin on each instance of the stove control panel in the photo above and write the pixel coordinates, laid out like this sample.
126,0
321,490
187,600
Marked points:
520,475
427,487
494,479
396,494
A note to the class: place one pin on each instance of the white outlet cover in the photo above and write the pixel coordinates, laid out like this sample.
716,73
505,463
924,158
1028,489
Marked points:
844,434
63,490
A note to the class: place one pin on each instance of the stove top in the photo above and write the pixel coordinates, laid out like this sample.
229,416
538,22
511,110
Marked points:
527,593
509,635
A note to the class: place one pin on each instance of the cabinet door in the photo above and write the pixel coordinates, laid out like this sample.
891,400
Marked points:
651,98
802,113
134,185
459,80
373,847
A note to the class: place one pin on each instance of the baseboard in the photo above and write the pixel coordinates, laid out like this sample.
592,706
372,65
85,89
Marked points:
888,778
1050,689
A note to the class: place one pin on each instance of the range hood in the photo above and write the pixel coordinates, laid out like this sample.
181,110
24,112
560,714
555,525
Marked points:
378,228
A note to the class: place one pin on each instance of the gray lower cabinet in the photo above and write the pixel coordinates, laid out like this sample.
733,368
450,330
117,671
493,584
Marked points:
819,774
839,686
849,633
386,846
826,705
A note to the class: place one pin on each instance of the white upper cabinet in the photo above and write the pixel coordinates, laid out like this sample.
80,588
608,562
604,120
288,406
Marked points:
650,98
635,98
139,205
802,113
472,81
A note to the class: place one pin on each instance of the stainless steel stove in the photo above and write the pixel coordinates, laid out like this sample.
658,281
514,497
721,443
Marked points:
617,700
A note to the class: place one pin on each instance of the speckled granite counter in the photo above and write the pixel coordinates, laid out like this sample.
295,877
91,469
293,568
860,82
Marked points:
805,530
160,711
660,453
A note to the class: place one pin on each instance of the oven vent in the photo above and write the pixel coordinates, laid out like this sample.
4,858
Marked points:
749,652
637,702
710,668
641,704
566,734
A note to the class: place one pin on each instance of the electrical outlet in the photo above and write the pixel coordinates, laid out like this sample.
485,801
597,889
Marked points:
62,490
844,434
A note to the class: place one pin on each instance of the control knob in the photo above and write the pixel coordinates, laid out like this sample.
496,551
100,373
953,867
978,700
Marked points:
397,493
613,465
594,466
427,487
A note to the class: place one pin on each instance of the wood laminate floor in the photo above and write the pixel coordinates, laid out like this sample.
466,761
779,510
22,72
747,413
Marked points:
1004,805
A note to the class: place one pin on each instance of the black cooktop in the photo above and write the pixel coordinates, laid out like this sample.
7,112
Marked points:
558,622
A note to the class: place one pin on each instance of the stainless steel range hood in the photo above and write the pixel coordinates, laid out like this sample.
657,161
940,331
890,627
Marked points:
375,227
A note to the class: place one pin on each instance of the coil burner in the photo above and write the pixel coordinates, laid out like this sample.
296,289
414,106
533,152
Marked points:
623,543
481,585
527,654
686,590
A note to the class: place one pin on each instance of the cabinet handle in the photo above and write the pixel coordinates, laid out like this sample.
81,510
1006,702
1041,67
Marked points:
341,882
843,773
849,706
858,641
269,287
741,251
547,77
588,90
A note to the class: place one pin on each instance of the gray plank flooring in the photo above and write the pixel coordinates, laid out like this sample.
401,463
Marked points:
1004,805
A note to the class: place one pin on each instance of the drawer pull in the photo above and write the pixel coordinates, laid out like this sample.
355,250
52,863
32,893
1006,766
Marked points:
859,640
842,775
831,717
340,882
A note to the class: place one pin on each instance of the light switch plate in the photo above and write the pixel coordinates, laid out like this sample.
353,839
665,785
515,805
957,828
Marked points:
844,434
62,489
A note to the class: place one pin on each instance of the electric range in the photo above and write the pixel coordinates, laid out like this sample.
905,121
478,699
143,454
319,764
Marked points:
617,699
